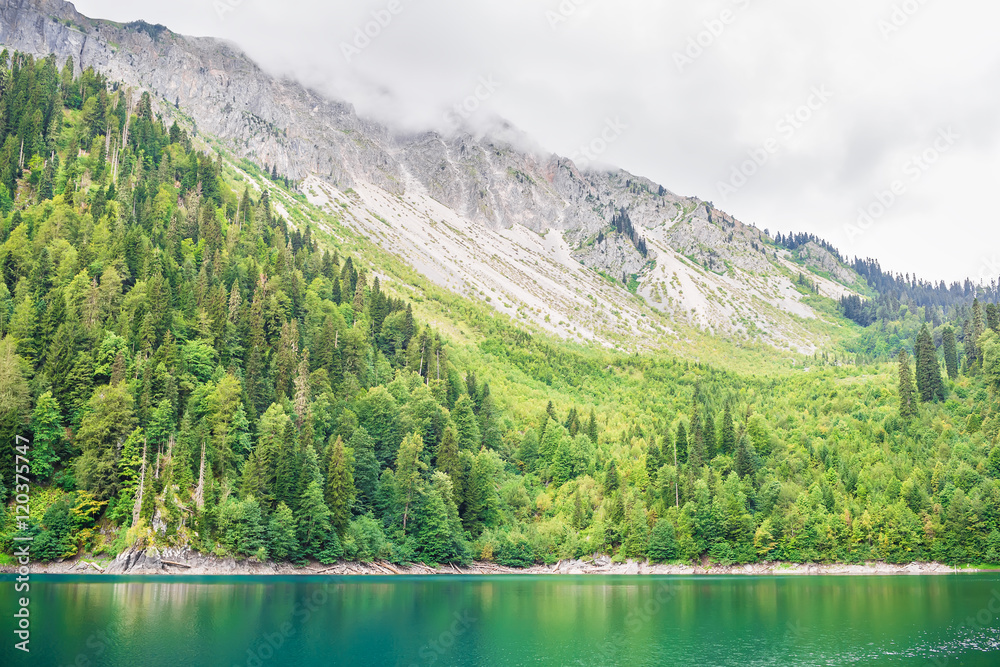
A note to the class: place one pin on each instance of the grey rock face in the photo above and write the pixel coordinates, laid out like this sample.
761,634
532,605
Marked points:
822,259
713,239
614,255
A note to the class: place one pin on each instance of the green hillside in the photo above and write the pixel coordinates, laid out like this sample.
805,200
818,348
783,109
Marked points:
199,357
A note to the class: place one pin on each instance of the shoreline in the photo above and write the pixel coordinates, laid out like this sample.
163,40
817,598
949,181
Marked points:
190,563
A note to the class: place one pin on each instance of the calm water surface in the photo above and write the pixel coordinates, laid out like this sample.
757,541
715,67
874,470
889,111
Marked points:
513,620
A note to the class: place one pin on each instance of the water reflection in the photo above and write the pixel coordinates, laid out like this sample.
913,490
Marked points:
511,620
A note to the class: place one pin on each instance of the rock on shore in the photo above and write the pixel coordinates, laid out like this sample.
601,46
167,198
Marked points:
186,562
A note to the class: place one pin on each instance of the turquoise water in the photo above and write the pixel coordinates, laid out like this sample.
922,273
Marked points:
513,620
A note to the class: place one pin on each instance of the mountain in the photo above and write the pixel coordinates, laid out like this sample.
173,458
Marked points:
488,215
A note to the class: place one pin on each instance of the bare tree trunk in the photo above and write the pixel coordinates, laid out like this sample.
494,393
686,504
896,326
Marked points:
142,485
199,492
677,492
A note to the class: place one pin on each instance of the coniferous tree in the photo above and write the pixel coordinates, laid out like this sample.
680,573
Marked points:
663,542
929,383
481,500
313,529
102,433
592,427
366,468
993,317
978,320
282,542
48,432
611,480
340,491
743,460
654,458
447,461
728,440
466,424
950,352
709,436
681,443
409,472
907,392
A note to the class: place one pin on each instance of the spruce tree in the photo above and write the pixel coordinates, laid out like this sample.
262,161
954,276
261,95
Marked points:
929,383
409,472
313,529
448,462
340,492
481,500
971,351
709,436
663,542
993,317
437,529
467,425
592,427
366,468
744,462
561,470
654,458
950,352
281,539
681,443
907,392
48,433
728,443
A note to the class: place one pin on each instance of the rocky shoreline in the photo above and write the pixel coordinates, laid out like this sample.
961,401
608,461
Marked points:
187,562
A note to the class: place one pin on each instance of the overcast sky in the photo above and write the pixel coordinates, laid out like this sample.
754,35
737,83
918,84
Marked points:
792,115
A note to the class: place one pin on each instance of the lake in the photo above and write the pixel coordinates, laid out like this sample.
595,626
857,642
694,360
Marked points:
507,620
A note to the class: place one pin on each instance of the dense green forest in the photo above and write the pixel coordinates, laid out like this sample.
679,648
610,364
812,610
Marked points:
192,368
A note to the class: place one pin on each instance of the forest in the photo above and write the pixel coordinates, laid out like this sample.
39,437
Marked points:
194,368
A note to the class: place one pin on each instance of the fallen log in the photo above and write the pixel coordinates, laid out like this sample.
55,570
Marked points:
390,568
170,562
382,568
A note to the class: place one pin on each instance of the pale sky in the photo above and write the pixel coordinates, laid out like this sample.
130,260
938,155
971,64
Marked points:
790,114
